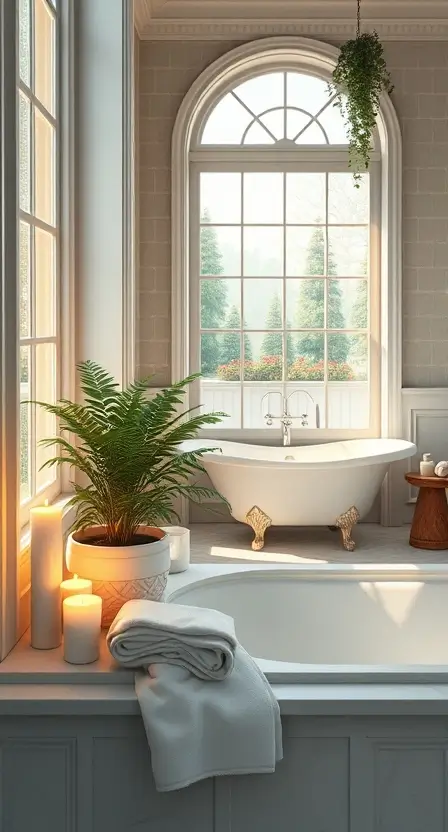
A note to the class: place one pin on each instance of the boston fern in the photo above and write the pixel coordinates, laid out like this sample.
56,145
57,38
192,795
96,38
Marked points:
359,79
127,451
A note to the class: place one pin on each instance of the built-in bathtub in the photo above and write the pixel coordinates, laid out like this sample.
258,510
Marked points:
331,623
313,485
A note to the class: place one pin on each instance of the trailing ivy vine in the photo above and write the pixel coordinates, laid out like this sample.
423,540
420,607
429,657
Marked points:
359,79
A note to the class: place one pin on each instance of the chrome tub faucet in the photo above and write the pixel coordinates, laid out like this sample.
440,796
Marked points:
285,418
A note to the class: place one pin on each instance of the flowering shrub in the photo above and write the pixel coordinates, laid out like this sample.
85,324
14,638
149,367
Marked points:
269,368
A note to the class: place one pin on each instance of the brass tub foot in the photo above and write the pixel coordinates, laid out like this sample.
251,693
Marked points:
259,522
345,523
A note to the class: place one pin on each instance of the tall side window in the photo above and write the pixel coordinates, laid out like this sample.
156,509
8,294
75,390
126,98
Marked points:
284,262
39,229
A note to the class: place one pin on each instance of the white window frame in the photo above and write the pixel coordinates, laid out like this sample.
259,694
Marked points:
315,57
53,489
327,161
14,544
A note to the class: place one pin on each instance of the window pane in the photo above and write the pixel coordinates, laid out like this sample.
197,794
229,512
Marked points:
25,425
220,250
305,251
275,122
220,355
257,134
348,406
45,422
296,121
45,301
263,197
24,153
24,279
309,363
263,252
263,92
222,396
347,251
306,91
333,123
263,304
348,304
263,353
44,51
347,360
255,408
305,197
346,203
299,403
44,168
312,135
221,197
220,303
24,41
226,123
305,304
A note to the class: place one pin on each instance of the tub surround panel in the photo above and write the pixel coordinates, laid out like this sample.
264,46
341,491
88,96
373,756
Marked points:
351,774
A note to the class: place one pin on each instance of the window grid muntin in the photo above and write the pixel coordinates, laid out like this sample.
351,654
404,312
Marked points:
243,168
256,117
32,222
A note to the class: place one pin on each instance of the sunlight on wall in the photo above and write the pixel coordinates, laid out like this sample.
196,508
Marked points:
396,598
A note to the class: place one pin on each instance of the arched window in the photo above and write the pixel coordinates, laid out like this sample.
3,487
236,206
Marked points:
279,277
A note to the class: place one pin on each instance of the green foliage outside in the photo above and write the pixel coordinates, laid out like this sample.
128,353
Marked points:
127,448
213,297
310,306
272,343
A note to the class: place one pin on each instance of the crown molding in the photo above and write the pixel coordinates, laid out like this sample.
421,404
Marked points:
333,29
142,15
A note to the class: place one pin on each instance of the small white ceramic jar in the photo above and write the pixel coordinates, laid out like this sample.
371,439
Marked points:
179,539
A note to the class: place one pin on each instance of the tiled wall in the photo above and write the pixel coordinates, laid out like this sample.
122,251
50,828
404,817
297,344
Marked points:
420,74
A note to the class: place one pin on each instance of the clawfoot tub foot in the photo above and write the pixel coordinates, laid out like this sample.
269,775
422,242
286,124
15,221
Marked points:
259,522
345,523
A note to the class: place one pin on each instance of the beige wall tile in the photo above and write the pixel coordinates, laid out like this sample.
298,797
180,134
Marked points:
420,75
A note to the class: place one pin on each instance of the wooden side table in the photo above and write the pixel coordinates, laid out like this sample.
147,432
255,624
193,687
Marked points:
429,528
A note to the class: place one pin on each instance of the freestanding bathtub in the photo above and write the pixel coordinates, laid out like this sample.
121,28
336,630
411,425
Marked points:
331,623
333,484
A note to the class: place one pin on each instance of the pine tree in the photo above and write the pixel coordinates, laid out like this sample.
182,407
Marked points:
213,297
231,341
272,343
310,307
359,320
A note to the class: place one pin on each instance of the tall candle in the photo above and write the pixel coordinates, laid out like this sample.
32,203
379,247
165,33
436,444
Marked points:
82,628
75,586
46,576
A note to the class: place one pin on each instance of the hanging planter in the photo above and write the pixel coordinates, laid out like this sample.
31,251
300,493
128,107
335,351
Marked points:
359,79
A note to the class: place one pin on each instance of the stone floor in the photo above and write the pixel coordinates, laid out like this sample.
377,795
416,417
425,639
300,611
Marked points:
218,542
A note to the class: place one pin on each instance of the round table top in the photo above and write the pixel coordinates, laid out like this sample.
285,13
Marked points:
414,478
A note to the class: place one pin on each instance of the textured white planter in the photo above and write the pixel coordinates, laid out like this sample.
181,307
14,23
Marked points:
120,573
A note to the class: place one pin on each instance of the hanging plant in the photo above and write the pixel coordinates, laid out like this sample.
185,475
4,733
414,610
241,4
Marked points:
359,79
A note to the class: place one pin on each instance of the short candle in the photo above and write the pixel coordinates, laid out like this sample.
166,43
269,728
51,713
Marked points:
82,628
75,586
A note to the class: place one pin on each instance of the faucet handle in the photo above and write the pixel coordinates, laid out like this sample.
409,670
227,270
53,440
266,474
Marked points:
268,419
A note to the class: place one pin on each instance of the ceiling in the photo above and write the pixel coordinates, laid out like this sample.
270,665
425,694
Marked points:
216,19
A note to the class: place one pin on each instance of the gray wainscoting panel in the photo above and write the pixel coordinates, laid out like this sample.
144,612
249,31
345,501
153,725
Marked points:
339,774
38,784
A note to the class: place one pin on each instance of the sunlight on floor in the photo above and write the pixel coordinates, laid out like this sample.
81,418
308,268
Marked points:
230,553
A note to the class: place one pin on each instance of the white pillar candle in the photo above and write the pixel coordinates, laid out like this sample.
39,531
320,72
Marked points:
46,576
82,628
179,547
75,586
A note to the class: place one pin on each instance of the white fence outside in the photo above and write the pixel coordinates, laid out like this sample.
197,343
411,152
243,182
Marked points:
347,406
